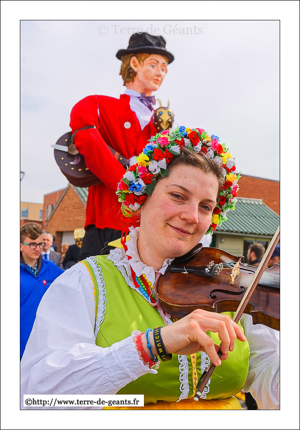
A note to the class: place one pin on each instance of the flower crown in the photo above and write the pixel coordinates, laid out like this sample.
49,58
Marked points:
140,179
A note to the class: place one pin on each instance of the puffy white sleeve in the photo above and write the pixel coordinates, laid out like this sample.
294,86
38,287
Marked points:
263,377
61,356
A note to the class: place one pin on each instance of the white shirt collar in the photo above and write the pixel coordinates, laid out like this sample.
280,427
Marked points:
135,262
132,93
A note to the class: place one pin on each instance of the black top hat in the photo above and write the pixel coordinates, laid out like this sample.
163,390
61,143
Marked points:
145,42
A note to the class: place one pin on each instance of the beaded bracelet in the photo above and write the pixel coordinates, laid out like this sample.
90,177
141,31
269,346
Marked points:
160,345
148,331
143,353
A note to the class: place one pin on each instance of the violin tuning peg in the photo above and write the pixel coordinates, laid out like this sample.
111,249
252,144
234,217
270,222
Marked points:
219,268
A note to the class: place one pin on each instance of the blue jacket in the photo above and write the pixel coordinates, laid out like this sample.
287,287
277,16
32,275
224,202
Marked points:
31,292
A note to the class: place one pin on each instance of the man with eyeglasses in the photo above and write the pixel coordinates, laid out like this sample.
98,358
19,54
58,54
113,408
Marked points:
36,275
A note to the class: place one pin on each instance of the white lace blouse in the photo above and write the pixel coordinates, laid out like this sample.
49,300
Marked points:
61,356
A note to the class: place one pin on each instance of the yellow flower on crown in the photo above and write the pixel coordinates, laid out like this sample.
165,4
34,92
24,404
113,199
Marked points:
215,219
208,138
231,177
188,130
143,160
225,156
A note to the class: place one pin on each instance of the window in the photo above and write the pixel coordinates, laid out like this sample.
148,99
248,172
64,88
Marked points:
41,213
24,213
264,243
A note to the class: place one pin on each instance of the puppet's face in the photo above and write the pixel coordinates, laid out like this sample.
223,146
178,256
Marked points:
78,236
149,74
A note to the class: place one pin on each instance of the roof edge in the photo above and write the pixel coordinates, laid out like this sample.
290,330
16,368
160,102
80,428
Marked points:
57,203
78,194
259,177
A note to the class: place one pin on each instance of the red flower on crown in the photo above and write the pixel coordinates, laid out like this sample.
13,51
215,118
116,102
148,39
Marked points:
148,178
132,168
194,138
180,142
169,157
226,185
158,154
222,200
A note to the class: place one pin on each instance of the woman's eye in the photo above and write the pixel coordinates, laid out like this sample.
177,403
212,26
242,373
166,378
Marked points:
176,196
206,208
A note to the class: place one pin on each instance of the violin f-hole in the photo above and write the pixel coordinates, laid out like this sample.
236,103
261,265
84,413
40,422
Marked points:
233,293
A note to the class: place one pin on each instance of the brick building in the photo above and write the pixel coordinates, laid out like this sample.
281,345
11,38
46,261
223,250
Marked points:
50,201
258,188
67,214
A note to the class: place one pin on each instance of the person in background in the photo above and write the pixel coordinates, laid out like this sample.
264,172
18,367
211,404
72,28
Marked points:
36,275
54,246
72,255
64,249
275,259
255,253
47,254
125,124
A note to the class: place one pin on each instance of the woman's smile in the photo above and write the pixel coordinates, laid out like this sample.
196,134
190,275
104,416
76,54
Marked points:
180,230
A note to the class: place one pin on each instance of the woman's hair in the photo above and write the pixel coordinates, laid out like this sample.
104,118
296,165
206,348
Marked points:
31,230
126,71
191,158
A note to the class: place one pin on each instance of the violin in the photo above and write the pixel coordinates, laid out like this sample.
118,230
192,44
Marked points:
205,279
260,292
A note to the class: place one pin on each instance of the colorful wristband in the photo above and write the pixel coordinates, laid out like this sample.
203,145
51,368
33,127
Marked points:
143,353
160,345
148,331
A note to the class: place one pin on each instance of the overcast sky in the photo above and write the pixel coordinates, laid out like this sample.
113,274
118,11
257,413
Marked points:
225,79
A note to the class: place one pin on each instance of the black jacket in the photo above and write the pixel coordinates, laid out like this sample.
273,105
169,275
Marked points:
72,256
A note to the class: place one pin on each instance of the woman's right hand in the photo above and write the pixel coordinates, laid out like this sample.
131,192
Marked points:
188,335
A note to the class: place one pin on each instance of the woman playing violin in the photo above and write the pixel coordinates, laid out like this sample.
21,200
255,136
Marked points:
100,329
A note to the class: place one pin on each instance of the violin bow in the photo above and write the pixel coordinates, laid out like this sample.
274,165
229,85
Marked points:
242,306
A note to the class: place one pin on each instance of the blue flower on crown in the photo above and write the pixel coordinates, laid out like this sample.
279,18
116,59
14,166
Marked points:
135,187
148,148
182,131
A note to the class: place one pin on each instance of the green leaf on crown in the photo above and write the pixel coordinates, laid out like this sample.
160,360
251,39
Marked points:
126,181
150,187
164,172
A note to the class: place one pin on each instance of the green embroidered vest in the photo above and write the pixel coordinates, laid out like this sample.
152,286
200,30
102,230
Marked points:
123,310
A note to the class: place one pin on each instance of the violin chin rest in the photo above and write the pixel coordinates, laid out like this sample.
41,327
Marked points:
191,254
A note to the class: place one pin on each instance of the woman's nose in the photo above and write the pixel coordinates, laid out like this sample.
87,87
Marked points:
191,214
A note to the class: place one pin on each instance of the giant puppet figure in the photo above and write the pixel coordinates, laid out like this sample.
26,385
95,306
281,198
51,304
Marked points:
125,125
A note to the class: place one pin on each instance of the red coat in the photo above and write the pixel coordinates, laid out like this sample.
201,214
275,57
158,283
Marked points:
119,128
